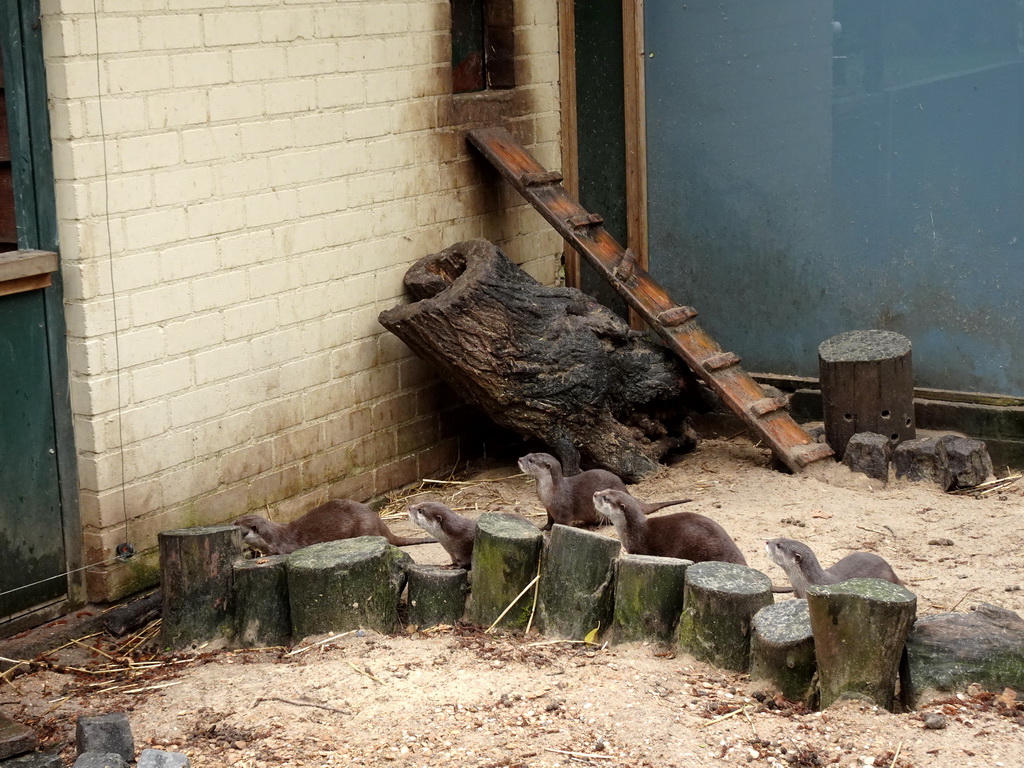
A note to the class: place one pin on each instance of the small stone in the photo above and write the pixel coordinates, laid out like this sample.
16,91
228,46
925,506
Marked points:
940,542
15,738
100,760
966,462
105,734
157,758
935,721
869,453
35,760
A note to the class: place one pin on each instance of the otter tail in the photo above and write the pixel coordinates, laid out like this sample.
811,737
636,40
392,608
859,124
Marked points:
403,541
655,506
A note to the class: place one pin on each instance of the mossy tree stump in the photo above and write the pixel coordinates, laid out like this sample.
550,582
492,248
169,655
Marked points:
782,649
950,651
720,600
648,597
197,574
261,602
437,595
577,582
505,558
342,585
860,627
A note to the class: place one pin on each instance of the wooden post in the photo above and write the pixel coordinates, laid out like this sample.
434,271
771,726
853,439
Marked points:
719,602
196,574
505,558
867,385
860,627
261,602
348,584
437,595
648,597
577,582
782,649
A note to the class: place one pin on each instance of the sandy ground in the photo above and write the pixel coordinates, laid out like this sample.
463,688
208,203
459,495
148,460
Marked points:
460,697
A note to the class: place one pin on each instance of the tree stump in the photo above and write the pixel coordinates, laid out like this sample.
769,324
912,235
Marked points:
577,582
548,363
782,649
196,575
720,600
867,385
860,627
505,558
342,585
949,651
965,462
870,454
437,595
648,597
261,602
919,459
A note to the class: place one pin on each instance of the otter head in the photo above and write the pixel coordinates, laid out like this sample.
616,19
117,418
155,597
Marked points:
429,515
785,552
540,465
611,506
255,532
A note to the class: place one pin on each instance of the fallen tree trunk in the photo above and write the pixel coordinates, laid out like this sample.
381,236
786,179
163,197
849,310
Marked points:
548,363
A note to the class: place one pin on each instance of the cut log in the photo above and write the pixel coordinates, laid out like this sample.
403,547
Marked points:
261,602
782,650
870,454
577,582
919,459
867,385
437,595
648,598
965,462
950,651
548,363
505,558
720,601
196,577
860,627
344,585
134,615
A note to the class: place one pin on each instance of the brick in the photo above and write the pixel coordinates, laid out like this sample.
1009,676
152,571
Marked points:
232,28
160,304
340,90
221,434
287,26
273,487
249,320
218,291
272,349
215,217
150,420
138,74
271,279
271,208
266,136
318,59
155,456
157,381
199,405
257,389
224,362
178,108
183,31
247,462
303,374
184,185
198,67
242,176
198,331
289,96
297,444
120,115
183,484
263,63
337,20
146,230
154,151
141,346
235,102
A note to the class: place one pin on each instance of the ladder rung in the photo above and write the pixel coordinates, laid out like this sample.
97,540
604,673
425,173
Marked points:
720,361
540,177
581,220
805,455
767,405
676,316
624,269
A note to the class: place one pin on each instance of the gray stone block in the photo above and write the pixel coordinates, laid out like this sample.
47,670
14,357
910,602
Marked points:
105,733
157,758
869,453
966,462
100,760
34,760
918,460
15,738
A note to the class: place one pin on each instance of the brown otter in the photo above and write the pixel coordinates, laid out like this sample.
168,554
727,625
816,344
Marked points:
455,532
568,500
685,535
335,519
803,568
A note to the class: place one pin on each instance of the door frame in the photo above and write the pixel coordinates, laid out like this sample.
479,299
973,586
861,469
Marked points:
36,217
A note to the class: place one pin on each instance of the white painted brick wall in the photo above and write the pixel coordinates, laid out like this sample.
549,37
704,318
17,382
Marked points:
254,177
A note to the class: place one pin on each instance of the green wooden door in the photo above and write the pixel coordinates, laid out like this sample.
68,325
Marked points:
40,528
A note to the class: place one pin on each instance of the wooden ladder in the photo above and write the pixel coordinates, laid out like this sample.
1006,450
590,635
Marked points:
675,323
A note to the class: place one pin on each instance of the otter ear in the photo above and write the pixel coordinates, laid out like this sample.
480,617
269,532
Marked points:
798,557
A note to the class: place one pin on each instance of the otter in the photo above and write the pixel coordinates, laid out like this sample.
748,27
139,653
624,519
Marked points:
803,568
685,535
335,519
455,532
568,500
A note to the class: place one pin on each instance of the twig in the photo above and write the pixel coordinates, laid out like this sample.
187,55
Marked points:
558,642
751,722
873,530
585,755
966,594
508,608
724,717
97,650
154,687
301,704
472,482
533,608
898,748
990,486
321,642
367,673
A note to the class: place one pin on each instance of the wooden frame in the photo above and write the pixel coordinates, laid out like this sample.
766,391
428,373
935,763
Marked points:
567,99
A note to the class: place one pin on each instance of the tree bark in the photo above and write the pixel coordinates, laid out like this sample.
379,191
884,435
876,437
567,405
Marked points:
782,649
577,582
548,363
648,597
261,600
860,627
437,595
505,558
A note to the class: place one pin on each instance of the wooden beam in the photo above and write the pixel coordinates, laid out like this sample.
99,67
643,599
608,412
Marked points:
636,136
570,144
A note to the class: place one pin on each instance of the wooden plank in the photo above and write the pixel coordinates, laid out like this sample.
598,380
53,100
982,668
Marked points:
636,134
567,99
737,390
22,284
19,264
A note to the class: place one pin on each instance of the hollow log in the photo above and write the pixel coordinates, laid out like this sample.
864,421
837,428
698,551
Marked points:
867,385
782,649
720,600
549,363
577,582
505,558
196,575
950,651
648,597
261,602
437,595
860,627
342,585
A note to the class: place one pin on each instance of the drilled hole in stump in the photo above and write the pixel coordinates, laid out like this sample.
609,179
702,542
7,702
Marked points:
886,414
